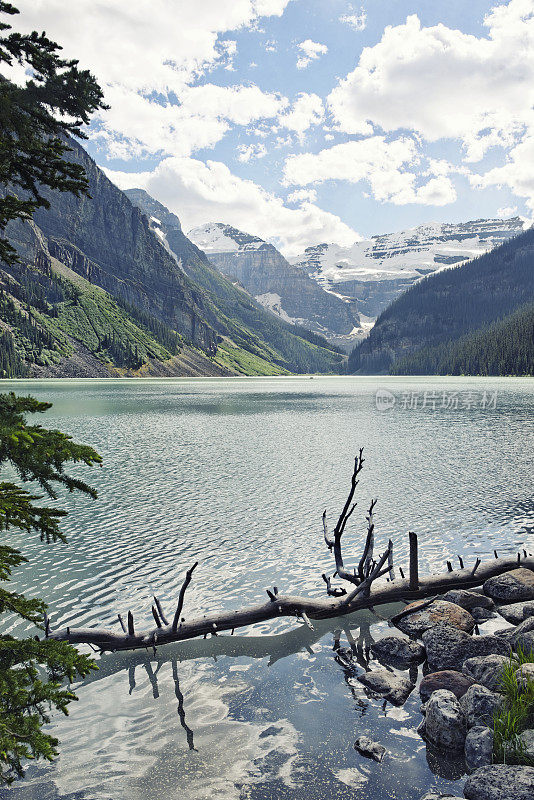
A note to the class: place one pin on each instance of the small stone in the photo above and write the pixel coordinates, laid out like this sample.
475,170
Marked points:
388,685
438,796
479,705
478,747
518,584
486,670
366,747
455,682
447,647
512,612
419,621
528,610
398,649
480,614
468,600
500,782
525,674
445,721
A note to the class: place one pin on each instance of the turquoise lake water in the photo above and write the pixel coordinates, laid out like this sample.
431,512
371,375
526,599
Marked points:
236,473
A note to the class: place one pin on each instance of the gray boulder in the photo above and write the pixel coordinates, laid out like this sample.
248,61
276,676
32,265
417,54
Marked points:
439,796
526,741
478,748
486,670
521,636
468,600
479,705
389,685
481,615
500,782
447,647
525,674
423,617
522,746
398,649
513,612
518,584
445,721
455,682
366,747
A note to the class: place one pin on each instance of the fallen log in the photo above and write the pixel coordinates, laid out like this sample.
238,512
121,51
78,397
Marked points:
338,603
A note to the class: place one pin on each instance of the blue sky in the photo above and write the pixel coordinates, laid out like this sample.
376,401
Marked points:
311,120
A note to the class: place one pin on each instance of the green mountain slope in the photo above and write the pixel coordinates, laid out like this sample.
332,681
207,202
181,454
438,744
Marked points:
450,304
54,322
504,348
107,241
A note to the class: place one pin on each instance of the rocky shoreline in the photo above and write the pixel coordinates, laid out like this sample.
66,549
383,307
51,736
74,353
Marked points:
462,688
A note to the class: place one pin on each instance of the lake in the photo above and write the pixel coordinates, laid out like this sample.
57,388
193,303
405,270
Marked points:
235,473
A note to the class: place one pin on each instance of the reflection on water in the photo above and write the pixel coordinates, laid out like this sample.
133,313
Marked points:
236,473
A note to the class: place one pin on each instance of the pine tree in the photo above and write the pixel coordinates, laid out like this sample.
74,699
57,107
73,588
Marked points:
35,122
38,455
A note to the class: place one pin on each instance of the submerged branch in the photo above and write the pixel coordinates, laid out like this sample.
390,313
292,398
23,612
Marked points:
363,593
293,606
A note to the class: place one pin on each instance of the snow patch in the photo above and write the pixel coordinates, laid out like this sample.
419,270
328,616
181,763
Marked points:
216,237
405,255
273,302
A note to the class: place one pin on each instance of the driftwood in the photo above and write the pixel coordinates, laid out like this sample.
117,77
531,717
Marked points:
340,601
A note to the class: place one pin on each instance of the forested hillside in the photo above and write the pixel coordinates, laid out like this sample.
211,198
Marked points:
450,304
503,348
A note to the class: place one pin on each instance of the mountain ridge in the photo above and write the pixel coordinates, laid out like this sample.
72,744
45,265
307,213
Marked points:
450,304
105,239
371,273
277,285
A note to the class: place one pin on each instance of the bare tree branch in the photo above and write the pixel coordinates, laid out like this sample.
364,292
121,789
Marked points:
181,596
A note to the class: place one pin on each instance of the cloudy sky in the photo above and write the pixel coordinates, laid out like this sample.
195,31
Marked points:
305,121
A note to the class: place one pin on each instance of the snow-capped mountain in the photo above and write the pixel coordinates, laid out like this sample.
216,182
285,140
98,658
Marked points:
372,272
285,290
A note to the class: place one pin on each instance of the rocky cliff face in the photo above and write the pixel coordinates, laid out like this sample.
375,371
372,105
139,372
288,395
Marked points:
149,276
108,240
267,275
240,317
372,273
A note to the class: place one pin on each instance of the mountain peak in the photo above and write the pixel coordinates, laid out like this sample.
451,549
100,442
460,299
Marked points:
153,209
218,237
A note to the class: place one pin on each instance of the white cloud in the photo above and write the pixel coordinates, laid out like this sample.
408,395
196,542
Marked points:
136,124
507,211
444,83
357,21
302,196
307,110
148,53
440,166
310,51
251,151
201,193
384,165
517,173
